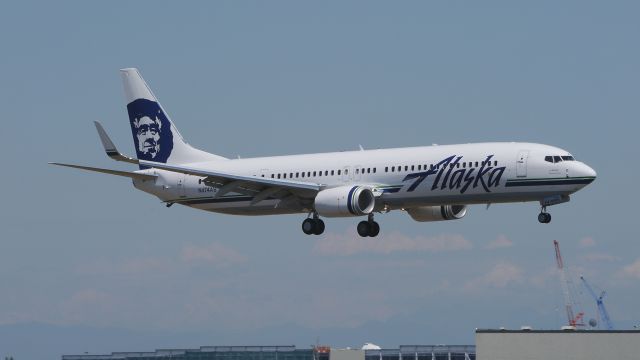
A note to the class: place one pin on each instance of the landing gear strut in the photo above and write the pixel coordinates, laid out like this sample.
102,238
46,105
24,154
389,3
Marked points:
368,228
313,225
544,217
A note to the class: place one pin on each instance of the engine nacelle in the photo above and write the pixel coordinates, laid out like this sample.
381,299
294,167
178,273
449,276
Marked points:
438,213
345,201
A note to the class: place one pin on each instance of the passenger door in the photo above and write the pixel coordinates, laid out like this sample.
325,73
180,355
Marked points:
521,163
346,174
357,171
180,186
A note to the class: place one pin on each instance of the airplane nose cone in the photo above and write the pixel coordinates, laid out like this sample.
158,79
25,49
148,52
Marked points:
590,172
587,172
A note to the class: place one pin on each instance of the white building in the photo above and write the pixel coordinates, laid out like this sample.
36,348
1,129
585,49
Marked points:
557,344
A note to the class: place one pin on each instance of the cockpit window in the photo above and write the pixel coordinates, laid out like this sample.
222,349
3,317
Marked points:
557,159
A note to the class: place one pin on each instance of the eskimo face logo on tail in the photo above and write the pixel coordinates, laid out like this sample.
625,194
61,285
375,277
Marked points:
151,130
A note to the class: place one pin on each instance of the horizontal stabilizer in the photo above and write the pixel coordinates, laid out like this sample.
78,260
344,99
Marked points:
128,174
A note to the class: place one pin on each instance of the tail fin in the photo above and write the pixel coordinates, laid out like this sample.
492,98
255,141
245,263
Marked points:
154,135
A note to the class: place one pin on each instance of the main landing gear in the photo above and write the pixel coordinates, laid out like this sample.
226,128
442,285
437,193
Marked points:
313,225
544,217
368,227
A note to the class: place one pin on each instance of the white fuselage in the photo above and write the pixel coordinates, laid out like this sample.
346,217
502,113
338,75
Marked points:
402,177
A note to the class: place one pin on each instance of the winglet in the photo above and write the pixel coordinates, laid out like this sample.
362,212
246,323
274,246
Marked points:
110,147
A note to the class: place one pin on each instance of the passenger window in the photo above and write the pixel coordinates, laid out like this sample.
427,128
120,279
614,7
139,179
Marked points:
374,170
308,173
326,173
278,176
368,170
412,167
297,175
346,171
393,169
314,173
303,174
386,169
476,164
495,163
406,168
272,176
339,171
331,172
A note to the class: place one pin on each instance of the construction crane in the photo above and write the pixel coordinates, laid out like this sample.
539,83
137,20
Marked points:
573,320
602,312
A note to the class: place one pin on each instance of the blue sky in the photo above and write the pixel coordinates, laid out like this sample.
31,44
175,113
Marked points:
90,262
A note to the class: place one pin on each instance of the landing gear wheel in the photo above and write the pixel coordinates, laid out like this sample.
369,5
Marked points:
318,227
541,218
364,228
308,226
544,218
374,230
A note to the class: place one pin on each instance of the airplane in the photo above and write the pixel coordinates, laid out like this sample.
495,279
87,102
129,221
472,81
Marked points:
430,183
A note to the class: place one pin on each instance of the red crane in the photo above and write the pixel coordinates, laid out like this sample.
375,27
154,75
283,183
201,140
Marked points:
573,320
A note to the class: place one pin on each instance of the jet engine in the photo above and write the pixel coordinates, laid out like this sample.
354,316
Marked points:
437,213
345,201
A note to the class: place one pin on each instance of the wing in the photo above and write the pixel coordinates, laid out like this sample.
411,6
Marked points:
259,187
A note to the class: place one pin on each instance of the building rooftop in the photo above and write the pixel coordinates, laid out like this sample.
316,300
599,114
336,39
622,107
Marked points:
542,331
286,352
